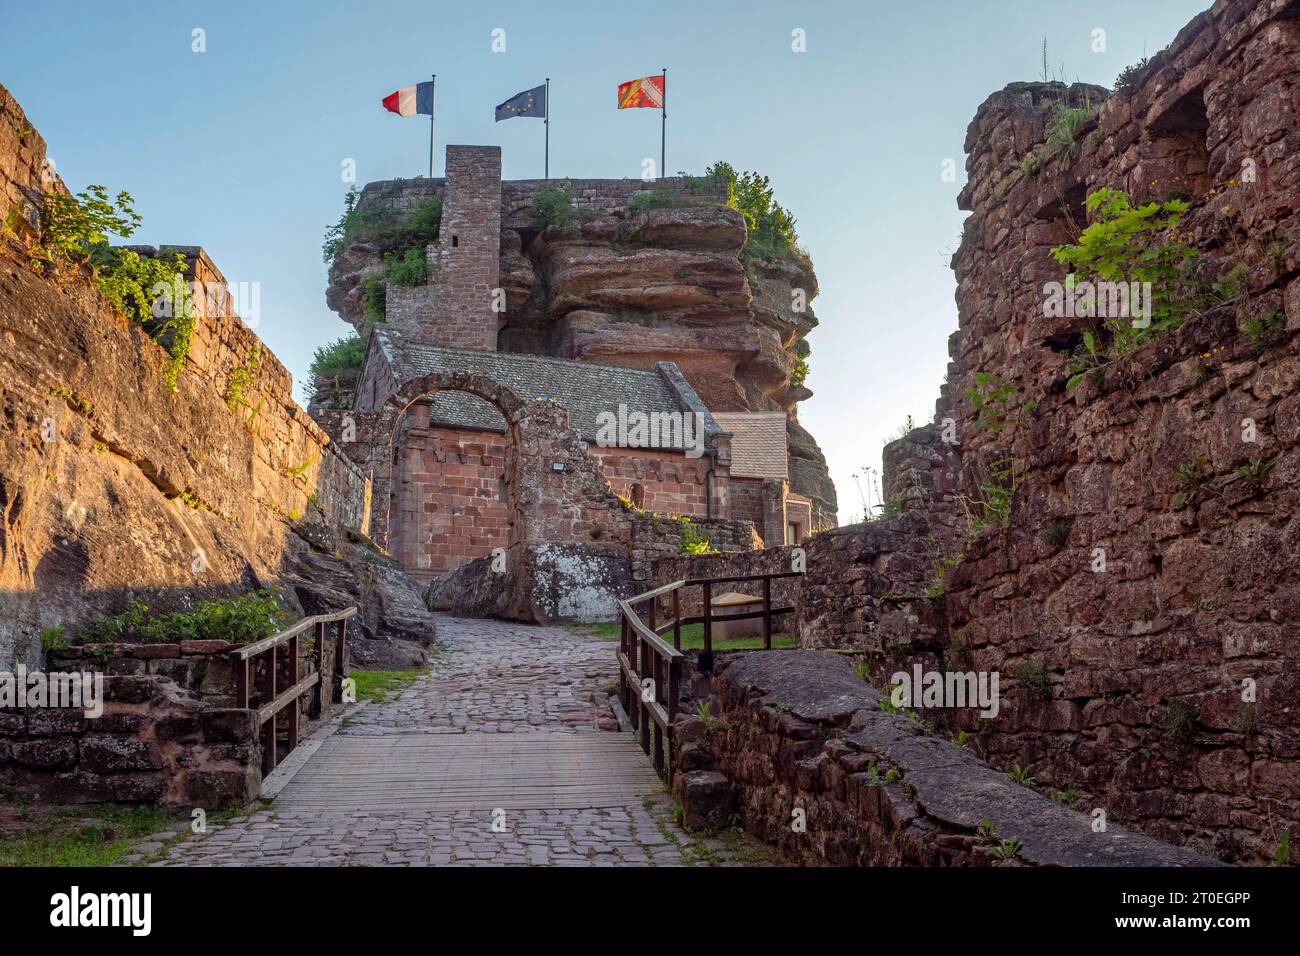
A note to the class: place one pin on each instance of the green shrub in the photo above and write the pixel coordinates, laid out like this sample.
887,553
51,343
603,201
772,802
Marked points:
1036,679
1067,122
342,357
1127,78
242,377
1266,330
240,620
1180,722
771,227
1125,244
411,269
991,399
553,205
693,539
383,227
374,296
151,292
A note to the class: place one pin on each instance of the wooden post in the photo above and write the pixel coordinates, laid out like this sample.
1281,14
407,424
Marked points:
622,677
268,729
316,706
654,604
767,613
340,655
674,690
706,656
293,709
677,619
642,670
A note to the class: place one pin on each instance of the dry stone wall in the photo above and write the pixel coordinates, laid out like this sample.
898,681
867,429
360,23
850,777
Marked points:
154,743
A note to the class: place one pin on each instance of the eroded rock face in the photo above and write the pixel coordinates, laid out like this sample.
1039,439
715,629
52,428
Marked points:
631,289
538,584
393,630
114,489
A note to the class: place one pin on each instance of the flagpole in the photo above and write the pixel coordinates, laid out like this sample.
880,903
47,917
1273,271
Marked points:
547,123
433,88
663,127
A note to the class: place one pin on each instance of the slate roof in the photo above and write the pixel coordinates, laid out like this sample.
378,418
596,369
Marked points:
583,389
758,443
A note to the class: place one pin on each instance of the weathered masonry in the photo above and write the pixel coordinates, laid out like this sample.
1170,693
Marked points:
607,323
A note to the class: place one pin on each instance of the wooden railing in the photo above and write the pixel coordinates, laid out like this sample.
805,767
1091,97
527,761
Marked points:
273,699
650,670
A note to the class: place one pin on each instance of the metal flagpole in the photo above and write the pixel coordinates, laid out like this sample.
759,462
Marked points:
547,122
433,86
663,128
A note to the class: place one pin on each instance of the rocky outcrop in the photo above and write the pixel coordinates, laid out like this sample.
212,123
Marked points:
114,488
393,630
634,288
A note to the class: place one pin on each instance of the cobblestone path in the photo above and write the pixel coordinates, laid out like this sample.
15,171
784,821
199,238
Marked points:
492,679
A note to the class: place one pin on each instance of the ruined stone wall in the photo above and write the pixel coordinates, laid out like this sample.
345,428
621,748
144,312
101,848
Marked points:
155,743
740,563
1141,597
455,308
799,747
449,499
671,483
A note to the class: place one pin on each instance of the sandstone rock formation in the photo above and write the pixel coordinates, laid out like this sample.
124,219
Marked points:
632,288
113,488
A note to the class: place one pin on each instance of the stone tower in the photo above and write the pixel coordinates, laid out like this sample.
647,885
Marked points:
455,308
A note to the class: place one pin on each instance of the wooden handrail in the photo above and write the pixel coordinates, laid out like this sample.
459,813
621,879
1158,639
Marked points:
742,577
649,672
273,700
245,651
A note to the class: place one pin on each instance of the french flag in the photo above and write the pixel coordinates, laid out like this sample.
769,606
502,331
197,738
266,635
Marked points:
410,100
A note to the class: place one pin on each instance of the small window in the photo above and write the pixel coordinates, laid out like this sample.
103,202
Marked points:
638,495
502,492
455,241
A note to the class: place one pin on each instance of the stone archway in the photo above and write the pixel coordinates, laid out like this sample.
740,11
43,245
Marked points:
564,523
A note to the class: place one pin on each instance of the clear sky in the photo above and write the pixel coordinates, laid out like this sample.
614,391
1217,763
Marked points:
240,148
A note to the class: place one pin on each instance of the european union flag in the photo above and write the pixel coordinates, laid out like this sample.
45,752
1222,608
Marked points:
528,103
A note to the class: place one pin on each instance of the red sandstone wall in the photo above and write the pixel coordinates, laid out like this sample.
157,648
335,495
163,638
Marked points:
673,484
449,506
1145,711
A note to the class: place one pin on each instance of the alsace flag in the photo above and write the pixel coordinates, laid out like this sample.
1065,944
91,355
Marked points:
528,103
647,91
410,100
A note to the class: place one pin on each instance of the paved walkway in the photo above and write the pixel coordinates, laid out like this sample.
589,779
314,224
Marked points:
505,754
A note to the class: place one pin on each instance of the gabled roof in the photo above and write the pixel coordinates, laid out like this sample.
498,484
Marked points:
583,389
759,447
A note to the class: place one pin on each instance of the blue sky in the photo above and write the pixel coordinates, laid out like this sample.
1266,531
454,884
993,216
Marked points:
240,148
